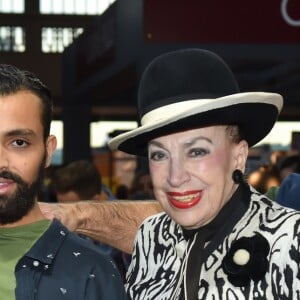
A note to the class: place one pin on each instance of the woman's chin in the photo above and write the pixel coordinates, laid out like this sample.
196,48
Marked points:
187,221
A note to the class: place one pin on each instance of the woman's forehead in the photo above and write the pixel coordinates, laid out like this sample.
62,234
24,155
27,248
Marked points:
209,131
214,135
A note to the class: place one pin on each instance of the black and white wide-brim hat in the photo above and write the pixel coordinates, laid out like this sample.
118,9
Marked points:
193,88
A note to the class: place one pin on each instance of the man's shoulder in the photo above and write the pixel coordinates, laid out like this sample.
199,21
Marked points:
76,251
76,266
75,241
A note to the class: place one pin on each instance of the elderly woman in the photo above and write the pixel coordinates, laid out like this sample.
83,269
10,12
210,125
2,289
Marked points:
217,237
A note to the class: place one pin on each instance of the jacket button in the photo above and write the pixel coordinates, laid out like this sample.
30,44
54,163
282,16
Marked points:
36,263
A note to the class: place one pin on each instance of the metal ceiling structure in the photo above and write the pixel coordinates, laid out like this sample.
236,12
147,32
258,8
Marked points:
259,40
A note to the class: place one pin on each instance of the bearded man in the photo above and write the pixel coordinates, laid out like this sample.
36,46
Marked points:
40,259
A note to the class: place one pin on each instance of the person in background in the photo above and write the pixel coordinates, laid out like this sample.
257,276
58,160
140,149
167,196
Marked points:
264,178
47,192
288,194
122,192
39,259
289,164
276,156
142,188
268,178
106,193
81,180
218,238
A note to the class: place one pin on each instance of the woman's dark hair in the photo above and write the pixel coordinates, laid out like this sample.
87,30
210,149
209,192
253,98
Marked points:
13,80
235,133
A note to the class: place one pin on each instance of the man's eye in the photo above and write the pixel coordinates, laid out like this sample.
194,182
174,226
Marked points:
20,143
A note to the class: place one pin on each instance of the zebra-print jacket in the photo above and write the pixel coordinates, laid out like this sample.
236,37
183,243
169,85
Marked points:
158,266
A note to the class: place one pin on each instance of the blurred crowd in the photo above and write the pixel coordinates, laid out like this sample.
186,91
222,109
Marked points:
271,173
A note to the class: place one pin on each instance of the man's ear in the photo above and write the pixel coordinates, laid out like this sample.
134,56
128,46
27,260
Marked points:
51,144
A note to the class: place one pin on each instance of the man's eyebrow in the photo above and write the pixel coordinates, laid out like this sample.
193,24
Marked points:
21,132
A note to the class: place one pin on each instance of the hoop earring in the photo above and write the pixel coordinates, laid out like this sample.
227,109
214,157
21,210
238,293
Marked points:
237,176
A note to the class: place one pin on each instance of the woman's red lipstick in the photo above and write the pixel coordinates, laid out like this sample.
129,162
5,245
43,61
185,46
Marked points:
186,199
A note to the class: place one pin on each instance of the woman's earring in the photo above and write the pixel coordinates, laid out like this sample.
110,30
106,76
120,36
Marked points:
237,176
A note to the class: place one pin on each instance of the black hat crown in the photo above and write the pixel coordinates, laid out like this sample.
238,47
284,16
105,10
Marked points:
184,75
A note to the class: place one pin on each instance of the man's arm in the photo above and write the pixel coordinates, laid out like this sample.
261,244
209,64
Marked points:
111,222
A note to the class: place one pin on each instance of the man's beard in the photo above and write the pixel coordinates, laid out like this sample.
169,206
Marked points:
17,205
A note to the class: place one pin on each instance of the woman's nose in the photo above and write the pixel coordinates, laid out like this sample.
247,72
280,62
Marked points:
178,173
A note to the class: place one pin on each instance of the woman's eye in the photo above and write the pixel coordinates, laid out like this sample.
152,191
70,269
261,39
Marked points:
195,152
157,155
